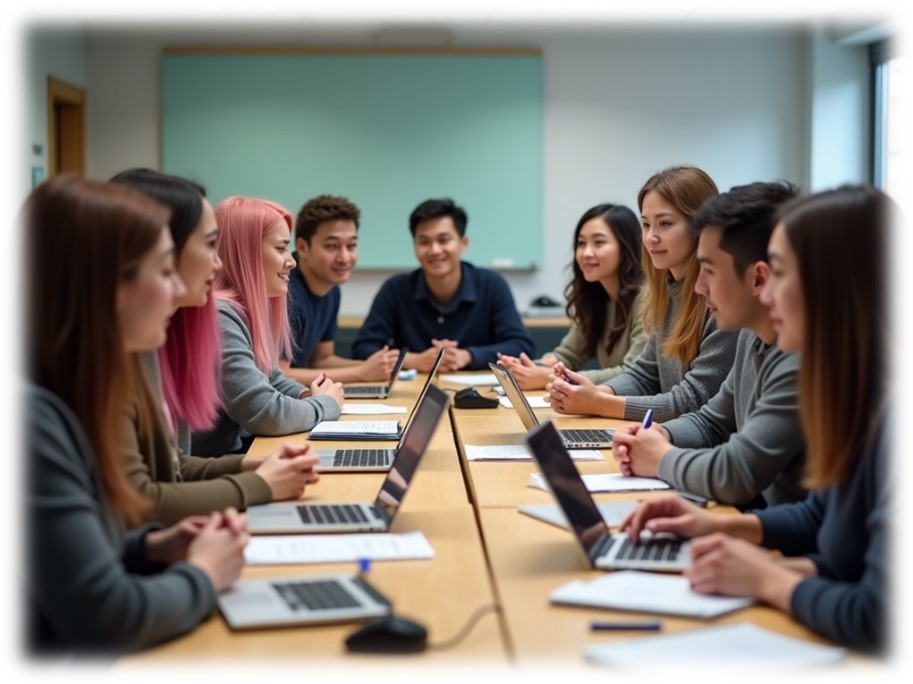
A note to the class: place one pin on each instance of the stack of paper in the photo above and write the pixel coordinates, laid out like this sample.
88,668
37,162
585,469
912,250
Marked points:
356,429
613,512
646,592
519,452
608,482
740,646
335,548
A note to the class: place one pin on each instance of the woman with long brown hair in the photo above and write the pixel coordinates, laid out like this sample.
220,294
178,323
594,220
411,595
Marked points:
102,285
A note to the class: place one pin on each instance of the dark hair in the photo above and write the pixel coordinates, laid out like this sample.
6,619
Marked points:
438,208
83,239
746,216
586,302
839,239
324,208
182,196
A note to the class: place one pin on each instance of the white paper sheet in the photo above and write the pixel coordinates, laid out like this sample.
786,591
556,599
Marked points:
370,409
471,379
646,592
740,645
381,428
534,402
613,512
519,452
336,548
607,482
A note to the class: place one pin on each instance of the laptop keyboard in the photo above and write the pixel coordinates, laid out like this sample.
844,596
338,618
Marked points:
363,390
650,550
332,513
583,436
315,595
361,457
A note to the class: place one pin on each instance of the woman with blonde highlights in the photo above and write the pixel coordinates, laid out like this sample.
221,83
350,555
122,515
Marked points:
251,291
686,357
827,301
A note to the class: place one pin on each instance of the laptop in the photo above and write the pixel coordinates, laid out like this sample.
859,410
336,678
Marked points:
661,552
291,517
584,438
376,391
305,600
367,459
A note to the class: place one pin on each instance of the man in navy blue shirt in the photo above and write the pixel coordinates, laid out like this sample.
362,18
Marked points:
446,303
326,249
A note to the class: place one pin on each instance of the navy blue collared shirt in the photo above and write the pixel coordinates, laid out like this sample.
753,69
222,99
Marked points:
312,318
482,318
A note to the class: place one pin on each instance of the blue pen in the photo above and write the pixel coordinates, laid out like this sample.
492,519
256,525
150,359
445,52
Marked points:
648,419
626,626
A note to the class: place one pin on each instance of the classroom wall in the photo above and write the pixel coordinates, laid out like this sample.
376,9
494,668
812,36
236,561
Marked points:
619,105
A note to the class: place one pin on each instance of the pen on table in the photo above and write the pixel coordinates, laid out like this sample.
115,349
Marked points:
626,626
648,419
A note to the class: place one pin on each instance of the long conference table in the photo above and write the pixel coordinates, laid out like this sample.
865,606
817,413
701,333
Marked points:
486,555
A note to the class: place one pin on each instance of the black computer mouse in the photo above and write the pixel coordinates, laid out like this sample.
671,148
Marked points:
391,634
470,398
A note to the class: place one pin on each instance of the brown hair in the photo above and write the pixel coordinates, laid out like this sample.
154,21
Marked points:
83,239
324,208
839,239
686,188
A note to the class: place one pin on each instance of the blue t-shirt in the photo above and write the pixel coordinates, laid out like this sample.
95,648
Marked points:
312,318
482,317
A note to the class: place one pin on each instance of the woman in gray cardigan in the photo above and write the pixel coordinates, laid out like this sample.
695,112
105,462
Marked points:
251,291
102,287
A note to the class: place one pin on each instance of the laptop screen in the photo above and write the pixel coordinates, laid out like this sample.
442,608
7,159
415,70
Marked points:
509,384
568,488
400,360
410,451
421,395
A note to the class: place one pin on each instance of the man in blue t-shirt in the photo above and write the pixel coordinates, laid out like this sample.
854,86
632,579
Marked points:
326,249
446,303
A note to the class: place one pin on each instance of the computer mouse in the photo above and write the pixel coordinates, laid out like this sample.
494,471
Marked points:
470,398
391,634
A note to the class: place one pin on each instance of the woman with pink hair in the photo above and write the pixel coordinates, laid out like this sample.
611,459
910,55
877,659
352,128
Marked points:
251,291
184,379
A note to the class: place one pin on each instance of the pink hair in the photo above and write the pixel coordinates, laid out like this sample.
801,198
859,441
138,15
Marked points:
191,364
243,222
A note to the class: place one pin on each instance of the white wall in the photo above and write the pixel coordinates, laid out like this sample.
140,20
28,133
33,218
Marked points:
619,105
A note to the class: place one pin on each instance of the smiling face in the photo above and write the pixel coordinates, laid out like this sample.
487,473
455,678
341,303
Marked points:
439,247
730,297
598,252
331,254
146,300
199,262
665,235
783,293
276,259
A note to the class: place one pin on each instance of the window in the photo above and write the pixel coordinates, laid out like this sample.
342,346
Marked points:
889,101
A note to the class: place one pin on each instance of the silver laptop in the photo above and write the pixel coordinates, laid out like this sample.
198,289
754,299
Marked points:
376,391
304,600
585,438
366,459
291,517
660,552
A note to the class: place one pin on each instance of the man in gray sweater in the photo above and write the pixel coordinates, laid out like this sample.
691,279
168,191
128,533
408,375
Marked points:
746,441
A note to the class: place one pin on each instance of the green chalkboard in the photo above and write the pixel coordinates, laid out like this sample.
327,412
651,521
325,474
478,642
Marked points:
386,130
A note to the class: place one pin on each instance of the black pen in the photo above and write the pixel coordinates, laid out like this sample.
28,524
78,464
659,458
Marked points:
626,626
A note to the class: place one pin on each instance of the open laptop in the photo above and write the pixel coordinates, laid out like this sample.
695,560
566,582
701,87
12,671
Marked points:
376,391
303,600
585,438
291,517
661,552
368,459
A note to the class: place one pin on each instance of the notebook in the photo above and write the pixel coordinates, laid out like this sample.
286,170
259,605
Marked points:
573,439
376,391
290,517
284,601
661,552
368,460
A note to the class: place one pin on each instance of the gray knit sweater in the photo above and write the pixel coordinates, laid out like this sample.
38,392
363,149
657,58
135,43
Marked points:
663,384
255,403
747,439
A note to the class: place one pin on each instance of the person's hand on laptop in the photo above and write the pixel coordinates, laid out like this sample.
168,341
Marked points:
379,365
528,374
324,386
218,548
671,513
288,470
639,451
